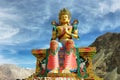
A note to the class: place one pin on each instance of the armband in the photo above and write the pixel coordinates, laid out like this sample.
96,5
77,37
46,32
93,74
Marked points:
72,35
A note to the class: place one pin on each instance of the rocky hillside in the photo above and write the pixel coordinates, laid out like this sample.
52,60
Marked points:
107,60
13,72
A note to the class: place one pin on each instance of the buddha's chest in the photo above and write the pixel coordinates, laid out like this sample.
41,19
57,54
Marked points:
62,29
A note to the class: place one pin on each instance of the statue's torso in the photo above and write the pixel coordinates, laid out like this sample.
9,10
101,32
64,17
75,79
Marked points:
62,35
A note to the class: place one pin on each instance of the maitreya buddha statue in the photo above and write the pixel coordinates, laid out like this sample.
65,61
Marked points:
63,33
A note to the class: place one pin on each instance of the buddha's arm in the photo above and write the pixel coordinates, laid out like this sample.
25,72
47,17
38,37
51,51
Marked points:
54,36
73,34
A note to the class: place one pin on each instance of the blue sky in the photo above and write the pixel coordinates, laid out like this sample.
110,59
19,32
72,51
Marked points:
26,25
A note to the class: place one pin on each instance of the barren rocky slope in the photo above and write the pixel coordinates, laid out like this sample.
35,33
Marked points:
107,60
13,72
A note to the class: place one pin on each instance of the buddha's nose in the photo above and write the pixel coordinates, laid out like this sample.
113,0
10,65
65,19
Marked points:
64,19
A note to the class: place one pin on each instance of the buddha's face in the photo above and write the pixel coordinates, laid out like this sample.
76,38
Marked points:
64,19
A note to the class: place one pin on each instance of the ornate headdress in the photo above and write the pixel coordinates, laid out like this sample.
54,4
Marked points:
64,11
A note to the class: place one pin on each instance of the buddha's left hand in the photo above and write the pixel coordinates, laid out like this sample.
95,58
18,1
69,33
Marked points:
66,30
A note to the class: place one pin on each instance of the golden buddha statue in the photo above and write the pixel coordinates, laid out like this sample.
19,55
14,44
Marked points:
64,32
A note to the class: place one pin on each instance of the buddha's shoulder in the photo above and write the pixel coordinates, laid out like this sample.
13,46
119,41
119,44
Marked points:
59,27
63,26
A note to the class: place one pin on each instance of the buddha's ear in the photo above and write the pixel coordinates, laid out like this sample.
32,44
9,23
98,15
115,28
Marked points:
75,21
53,23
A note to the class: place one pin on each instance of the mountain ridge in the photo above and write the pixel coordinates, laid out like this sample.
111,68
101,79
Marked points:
13,72
106,62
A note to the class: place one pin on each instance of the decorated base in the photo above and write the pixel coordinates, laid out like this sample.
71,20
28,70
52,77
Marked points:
61,76
86,52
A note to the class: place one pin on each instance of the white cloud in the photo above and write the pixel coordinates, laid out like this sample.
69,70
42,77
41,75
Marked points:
8,51
27,62
7,31
109,25
84,29
104,16
103,8
108,6
10,26
46,46
7,34
115,5
4,60
4,15
9,14
8,20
